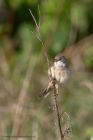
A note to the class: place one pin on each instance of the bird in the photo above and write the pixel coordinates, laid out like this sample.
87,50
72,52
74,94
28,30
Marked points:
58,72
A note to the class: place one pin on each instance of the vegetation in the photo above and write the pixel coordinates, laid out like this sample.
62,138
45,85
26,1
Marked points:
65,26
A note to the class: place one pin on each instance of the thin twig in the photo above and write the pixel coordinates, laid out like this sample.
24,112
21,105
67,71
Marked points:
37,26
39,37
57,111
34,19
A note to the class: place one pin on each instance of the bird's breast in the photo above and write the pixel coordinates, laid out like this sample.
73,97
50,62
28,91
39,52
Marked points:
59,74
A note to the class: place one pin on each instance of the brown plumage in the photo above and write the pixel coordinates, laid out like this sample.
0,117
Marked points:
59,71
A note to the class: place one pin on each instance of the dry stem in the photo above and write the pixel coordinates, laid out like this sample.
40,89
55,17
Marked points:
39,37
57,111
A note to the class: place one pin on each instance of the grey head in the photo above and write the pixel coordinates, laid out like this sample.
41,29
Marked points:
60,61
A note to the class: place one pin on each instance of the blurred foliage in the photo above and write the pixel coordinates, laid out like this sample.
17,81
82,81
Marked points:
66,26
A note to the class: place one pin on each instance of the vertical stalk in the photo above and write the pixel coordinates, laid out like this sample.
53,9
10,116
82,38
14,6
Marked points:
57,112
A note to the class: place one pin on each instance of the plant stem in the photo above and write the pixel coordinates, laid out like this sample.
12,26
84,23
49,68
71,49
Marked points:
58,113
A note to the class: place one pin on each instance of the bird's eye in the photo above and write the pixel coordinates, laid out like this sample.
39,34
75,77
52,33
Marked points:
63,60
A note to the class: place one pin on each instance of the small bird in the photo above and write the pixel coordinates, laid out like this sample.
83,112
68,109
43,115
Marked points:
59,72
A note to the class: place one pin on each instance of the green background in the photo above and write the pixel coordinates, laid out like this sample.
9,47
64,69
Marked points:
65,26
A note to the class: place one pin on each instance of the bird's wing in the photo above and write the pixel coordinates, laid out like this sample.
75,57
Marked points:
51,73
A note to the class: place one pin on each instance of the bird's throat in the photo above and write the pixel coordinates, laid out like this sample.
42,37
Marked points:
59,64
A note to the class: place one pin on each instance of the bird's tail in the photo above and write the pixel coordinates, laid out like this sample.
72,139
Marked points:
46,91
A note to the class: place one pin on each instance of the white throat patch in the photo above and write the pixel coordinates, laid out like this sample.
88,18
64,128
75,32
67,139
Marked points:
59,64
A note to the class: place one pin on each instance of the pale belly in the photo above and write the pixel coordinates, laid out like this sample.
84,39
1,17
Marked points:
61,75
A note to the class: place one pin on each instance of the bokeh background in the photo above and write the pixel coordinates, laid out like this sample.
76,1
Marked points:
65,26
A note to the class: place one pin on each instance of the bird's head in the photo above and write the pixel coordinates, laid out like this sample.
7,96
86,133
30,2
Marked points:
60,61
